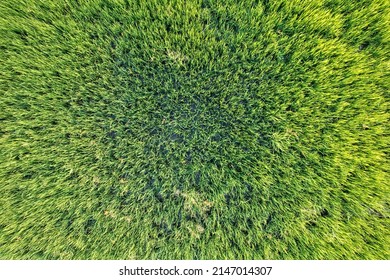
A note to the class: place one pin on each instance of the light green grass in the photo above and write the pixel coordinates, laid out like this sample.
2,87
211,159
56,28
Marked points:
194,129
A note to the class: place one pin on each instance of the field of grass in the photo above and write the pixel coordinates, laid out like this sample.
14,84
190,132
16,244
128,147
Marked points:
196,129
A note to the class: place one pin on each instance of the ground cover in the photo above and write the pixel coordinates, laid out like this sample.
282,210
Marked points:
194,129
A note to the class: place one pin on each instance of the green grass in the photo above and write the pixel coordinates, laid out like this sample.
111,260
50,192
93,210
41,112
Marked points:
194,129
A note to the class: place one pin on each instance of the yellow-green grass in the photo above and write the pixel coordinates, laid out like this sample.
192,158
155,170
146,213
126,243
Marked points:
194,129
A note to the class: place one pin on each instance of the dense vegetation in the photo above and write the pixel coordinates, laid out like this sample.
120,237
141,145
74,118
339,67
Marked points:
194,129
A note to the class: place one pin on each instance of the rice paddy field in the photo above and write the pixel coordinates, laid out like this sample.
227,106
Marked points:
201,129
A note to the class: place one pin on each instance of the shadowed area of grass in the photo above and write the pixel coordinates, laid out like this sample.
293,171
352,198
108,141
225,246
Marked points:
194,129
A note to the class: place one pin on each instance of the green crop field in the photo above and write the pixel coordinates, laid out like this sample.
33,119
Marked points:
167,129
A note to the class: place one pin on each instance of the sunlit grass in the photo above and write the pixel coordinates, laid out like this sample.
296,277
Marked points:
194,129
